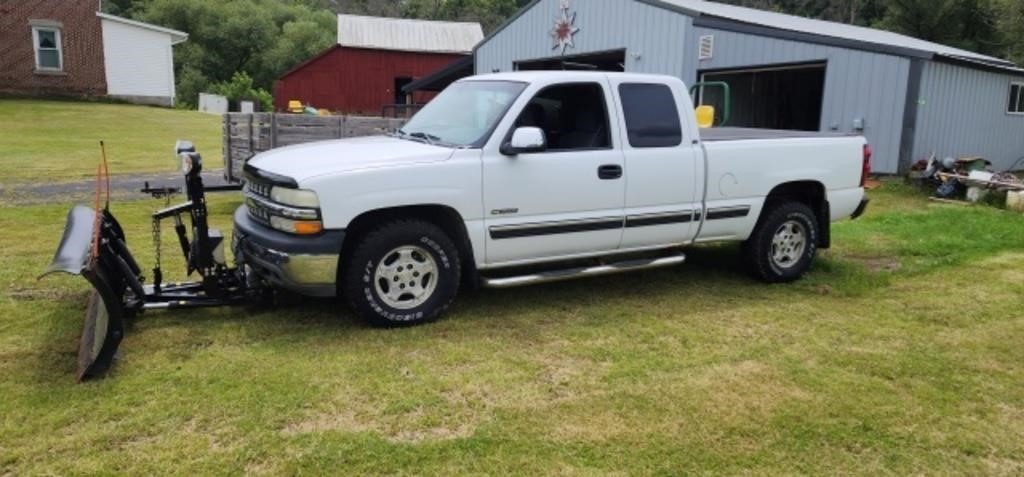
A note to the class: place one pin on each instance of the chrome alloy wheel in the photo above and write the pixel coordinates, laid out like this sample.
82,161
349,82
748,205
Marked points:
789,244
406,277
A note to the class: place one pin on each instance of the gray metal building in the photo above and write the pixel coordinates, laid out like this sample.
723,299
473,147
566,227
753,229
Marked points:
911,98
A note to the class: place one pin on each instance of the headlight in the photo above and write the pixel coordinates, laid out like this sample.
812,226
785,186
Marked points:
294,197
298,227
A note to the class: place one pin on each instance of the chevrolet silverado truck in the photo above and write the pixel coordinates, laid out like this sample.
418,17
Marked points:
529,177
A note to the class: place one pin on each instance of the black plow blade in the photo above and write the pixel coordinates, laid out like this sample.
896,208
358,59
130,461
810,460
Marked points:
93,246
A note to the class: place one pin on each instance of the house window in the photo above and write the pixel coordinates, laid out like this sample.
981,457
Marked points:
49,55
1016,105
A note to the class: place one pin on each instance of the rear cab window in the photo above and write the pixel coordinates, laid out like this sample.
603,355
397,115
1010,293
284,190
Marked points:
651,114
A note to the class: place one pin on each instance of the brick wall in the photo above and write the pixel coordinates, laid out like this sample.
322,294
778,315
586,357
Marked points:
81,40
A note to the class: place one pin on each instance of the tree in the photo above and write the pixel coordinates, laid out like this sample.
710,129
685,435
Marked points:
1010,14
261,38
240,88
967,24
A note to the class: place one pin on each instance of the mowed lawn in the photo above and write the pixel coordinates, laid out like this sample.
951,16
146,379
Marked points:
58,141
901,353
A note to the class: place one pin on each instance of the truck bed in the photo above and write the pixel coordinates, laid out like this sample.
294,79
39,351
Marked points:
742,134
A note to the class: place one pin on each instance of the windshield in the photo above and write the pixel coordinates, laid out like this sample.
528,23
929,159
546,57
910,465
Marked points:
464,114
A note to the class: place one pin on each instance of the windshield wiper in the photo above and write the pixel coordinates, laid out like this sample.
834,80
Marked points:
428,138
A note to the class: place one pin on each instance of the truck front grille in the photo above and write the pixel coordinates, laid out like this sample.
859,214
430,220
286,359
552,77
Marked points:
261,189
256,211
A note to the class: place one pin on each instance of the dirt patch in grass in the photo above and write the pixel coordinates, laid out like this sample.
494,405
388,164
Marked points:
54,294
405,429
877,264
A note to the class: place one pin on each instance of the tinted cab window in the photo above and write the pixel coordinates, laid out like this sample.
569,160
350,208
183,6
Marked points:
652,119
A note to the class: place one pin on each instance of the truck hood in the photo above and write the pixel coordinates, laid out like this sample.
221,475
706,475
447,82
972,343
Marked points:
305,161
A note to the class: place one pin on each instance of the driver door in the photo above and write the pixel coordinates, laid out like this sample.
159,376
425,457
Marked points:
568,199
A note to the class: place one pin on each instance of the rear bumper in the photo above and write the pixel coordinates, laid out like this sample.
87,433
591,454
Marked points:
305,265
861,208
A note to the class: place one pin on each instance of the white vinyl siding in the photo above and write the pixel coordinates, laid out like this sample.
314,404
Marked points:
46,43
139,62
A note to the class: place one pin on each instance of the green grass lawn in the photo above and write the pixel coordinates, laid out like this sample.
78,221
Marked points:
58,141
901,353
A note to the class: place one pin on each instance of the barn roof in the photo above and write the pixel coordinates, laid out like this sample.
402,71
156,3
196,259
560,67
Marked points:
402,34
823,28
760,22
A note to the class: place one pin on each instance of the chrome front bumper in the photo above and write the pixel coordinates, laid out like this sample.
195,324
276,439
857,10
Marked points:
305,265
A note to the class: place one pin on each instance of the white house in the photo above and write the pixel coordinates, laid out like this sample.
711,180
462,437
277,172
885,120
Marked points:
139,60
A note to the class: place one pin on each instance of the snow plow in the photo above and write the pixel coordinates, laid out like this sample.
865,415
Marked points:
94,246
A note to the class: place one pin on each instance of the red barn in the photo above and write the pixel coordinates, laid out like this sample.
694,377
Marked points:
374,58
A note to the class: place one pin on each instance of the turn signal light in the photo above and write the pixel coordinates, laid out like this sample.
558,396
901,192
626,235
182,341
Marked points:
298,227
305,227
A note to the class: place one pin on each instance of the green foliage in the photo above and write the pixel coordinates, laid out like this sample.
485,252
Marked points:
965,24
860,12
124,8
240,88
299,41
1010,21
261,38
991,27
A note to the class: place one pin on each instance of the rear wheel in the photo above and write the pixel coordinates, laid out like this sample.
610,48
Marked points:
784,243
402,273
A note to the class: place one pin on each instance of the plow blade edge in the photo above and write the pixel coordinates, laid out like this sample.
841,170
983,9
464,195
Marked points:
93,246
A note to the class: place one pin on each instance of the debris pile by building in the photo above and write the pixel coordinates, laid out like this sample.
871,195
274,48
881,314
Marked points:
969,178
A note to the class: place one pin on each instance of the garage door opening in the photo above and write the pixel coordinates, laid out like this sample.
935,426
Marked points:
603,61
781,97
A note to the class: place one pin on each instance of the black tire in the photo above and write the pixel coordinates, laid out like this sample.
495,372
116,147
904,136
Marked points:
759,251
363,287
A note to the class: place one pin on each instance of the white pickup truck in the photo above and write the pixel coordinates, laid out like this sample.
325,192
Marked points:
521,178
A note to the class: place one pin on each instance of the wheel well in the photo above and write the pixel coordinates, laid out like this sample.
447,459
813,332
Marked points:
812,194
447,218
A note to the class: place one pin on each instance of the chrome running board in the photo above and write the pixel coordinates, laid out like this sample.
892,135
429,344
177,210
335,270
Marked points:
571,273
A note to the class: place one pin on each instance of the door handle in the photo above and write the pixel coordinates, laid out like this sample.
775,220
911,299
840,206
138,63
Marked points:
609,172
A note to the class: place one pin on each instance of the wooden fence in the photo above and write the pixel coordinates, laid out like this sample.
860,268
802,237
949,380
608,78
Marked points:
246,135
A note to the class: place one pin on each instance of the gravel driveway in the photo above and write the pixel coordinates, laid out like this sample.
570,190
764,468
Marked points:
123,187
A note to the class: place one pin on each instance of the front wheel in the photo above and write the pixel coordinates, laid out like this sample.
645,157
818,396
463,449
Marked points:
783,244
402,273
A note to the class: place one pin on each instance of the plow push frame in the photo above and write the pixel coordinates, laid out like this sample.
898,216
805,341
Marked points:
94,246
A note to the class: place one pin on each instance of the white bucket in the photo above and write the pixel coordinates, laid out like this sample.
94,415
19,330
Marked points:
1015,200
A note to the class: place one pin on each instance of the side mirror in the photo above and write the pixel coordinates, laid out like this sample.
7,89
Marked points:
525,140
705,116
